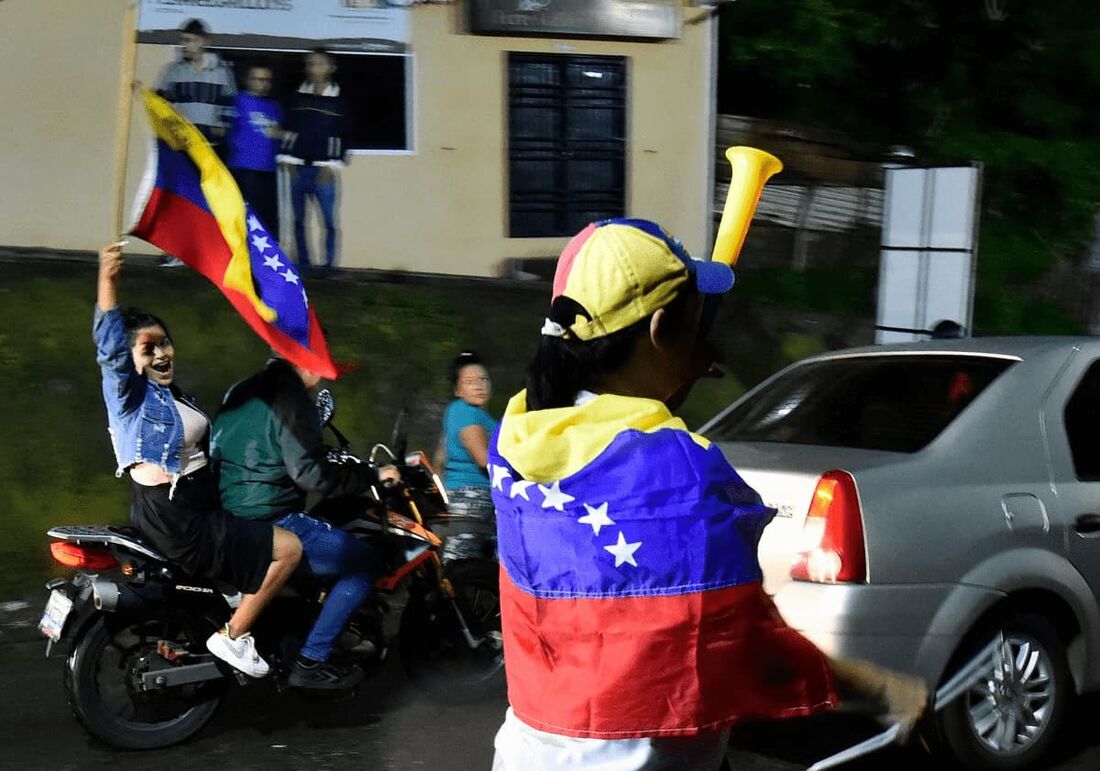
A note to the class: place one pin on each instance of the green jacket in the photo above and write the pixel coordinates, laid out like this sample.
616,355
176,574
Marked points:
267,446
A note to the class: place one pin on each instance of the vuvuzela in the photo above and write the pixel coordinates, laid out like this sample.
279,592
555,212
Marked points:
750,169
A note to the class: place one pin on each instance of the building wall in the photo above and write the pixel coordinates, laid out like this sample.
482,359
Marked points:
441,208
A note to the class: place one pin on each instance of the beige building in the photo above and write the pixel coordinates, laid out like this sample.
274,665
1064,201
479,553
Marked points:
486,147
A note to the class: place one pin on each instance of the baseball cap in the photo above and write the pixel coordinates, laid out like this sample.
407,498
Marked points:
620,271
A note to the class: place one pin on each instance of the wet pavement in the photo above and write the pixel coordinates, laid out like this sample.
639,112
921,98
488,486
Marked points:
389,725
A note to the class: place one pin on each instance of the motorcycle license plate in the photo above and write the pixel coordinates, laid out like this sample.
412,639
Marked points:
53,618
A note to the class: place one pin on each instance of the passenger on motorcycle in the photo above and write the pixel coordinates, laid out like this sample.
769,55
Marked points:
160,440
469,529
270,453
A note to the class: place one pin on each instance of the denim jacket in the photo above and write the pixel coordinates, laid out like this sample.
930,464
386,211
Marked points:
142,418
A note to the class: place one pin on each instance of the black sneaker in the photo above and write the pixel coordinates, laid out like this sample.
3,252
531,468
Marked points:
323,676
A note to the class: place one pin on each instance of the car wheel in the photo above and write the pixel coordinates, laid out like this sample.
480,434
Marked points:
1009,718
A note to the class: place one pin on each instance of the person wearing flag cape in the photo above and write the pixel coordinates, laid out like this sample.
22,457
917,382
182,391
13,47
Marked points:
636,629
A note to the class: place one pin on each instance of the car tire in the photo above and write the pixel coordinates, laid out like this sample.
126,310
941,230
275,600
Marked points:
1010,719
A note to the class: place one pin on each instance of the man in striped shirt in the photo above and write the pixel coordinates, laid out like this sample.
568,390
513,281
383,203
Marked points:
201,87
199,84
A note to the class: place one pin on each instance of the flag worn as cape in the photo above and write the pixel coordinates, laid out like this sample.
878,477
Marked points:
631,596
192,208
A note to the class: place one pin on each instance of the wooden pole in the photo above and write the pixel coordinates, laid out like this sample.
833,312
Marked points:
125,105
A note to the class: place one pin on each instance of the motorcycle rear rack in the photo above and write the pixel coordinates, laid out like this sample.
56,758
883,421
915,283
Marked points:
104,534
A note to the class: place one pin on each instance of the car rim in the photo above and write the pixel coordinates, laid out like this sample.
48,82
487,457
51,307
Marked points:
1011,706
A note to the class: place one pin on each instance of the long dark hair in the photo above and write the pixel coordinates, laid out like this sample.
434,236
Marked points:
135,319
562,367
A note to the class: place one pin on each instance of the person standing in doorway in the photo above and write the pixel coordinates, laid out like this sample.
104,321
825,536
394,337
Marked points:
315,149
254,137
201,87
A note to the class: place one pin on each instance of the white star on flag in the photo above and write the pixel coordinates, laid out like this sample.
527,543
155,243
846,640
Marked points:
553,497
623,551
500,473
261,243
597,517
519,487
290,278
254,223
272,261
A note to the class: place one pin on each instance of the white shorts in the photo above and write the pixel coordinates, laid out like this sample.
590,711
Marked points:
519,747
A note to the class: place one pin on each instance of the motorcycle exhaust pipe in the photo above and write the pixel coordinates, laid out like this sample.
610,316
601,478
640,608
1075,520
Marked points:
109,596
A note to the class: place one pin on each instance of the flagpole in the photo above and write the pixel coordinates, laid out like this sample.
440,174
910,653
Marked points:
125,105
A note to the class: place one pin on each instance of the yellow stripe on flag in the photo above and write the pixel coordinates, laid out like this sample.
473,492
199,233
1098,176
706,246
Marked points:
221,192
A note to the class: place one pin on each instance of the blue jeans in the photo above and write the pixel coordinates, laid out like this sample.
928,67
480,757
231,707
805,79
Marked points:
332,553
303,185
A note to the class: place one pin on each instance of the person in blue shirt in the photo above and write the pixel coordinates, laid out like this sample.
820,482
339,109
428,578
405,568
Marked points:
470,530
254,138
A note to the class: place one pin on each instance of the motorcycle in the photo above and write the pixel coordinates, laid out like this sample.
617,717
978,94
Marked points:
138,675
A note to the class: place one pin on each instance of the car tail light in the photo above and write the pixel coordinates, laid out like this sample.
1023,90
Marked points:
832,536
73,555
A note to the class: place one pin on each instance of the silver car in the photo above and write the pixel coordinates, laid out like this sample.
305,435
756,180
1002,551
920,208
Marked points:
930,496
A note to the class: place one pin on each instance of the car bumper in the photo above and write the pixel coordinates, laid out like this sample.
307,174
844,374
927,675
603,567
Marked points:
911,628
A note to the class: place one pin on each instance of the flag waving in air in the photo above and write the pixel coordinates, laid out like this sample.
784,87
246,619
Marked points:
191,207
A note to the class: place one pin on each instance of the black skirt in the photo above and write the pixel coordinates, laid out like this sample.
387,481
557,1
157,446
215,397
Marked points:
191,529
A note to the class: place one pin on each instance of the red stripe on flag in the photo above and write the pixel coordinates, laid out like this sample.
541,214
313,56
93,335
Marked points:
179,227
678,665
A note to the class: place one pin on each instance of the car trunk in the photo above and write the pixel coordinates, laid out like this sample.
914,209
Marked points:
785,476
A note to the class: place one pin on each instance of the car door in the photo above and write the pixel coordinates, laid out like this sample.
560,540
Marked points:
1072,422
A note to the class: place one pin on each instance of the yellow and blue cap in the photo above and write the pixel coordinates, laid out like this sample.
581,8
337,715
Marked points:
620,271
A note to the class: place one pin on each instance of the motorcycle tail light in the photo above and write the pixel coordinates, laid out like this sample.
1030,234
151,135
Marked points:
74,555
832,549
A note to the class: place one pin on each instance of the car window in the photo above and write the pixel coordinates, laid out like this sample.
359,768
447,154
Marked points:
894,403
1082,418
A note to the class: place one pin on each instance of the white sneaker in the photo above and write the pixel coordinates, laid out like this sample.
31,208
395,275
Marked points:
239,653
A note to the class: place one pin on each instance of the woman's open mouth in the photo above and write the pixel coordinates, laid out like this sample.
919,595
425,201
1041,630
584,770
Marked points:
163,367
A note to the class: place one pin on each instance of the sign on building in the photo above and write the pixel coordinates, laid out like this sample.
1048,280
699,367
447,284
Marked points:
929,250
373,26
658,19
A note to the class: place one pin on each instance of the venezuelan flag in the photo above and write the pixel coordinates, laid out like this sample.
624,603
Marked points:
631,595
190,206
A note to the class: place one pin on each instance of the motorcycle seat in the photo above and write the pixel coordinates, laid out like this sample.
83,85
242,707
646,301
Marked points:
121,536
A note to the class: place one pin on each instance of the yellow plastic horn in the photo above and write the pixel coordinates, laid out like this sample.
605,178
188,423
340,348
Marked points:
750,170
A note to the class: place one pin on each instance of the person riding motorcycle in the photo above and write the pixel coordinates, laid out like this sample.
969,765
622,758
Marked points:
159,439
268,446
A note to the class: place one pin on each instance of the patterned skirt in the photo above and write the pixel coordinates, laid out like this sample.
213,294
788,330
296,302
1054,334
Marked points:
469,526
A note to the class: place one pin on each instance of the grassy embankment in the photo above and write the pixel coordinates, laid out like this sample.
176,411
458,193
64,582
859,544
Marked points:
55,458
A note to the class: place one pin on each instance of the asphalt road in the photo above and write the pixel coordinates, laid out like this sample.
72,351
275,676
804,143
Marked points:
388,726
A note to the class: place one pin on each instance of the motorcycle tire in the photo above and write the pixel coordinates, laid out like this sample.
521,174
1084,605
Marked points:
104,667
433,649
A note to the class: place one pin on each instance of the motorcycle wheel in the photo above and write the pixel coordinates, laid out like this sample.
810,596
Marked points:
433,649
103,676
